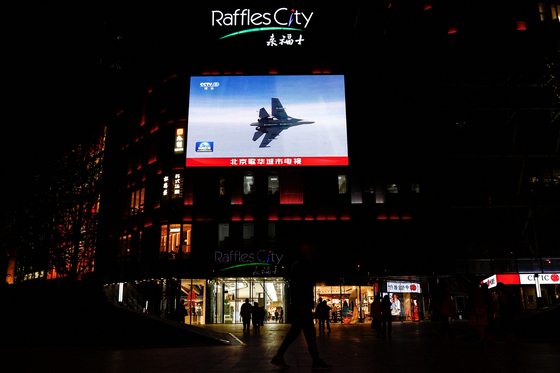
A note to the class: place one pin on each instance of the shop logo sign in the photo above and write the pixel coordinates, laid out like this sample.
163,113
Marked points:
545,278
279,19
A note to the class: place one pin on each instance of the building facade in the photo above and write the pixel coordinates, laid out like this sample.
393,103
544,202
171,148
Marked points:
449,169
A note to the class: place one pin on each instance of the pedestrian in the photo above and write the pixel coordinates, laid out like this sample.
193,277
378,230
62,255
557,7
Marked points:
256,314
300,311
447,308
246,309
386,317
376,315
276,314
327,314
480,304
507,304
320,315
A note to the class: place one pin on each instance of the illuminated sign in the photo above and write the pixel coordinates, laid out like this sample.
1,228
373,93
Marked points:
281,17
236,256
403,287
256,121
544,279
173,186
287,21
179,140
493,281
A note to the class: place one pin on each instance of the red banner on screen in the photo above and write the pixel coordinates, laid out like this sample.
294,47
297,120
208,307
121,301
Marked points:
274,161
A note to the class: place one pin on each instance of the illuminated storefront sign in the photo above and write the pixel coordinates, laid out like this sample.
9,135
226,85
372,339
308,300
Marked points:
236,256
403,287
280,17
493,281
544,279
173,186
179,140
283,25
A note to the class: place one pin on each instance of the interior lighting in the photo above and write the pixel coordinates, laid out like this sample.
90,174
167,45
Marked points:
271,291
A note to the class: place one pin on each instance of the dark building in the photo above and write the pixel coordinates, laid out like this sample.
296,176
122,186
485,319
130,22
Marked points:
451,116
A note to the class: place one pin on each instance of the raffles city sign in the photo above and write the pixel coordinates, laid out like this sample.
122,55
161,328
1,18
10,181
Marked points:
283,26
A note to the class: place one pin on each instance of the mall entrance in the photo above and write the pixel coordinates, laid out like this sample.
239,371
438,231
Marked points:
230,293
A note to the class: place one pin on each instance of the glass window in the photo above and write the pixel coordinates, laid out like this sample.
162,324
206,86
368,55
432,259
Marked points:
124,248
177,244
137,201
341,184
248,234
163,242
248,181
223,235
392,188
222,187
271,235
415,187
273,182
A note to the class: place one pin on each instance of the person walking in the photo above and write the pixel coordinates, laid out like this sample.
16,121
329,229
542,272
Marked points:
376,315
386,317
447,309
320,314
507,304
300,311
256,314
327,315
245,312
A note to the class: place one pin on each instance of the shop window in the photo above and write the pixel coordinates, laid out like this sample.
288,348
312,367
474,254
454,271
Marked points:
342,184
223,235
248,234
415,187
273,182
248,183
137,201
175,241
392,188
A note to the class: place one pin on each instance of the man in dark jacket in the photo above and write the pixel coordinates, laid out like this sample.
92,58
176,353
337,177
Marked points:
246,309
301,306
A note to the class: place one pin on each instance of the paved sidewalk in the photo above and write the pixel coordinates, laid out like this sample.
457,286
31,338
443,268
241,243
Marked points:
350,348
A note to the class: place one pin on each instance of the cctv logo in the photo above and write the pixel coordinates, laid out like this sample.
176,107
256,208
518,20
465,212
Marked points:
210,85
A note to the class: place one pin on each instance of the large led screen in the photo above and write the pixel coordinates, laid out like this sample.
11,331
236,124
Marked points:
267,121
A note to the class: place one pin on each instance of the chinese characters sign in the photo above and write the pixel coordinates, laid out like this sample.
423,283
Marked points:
173,186
403,287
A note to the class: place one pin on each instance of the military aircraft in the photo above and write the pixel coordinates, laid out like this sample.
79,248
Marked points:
271,126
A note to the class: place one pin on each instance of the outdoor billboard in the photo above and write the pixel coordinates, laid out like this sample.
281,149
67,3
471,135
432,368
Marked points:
272,120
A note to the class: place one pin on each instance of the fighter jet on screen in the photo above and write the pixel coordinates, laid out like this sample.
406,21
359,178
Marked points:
271,126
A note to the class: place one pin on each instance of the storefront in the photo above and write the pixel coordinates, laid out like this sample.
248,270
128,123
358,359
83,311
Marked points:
406,300
230,293
352,304
536,290
202,301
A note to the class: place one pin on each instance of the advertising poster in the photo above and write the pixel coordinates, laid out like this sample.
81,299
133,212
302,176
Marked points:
267,121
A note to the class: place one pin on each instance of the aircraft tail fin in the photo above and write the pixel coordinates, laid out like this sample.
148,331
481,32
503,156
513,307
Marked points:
263,113
278,110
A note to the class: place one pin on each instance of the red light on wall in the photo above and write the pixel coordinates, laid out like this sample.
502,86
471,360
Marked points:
521,25
452,29
427,5
273,213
